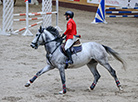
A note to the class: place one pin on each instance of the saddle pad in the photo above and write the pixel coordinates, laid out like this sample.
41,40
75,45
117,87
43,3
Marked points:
76,49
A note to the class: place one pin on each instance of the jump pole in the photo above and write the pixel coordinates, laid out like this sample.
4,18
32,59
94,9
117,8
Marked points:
35,13
9,28
125,13
37,18
27,32
57,27
15,32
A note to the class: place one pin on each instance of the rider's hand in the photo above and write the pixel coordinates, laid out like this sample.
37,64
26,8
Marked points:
62,35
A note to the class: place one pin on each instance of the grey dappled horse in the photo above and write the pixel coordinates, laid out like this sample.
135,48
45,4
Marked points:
92,53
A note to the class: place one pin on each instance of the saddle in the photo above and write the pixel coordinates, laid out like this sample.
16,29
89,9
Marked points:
75,48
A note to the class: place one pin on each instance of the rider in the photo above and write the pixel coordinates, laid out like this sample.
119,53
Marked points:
70,32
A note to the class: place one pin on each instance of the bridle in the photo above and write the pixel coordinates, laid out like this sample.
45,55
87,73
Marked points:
49,54
59,39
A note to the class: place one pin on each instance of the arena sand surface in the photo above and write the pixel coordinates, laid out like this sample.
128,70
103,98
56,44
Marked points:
19,62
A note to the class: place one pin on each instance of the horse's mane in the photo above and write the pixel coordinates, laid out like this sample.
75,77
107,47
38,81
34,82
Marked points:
53,31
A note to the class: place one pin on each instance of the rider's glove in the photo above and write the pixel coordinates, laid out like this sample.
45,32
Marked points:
62,35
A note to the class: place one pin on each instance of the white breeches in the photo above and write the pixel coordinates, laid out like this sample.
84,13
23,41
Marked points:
69,43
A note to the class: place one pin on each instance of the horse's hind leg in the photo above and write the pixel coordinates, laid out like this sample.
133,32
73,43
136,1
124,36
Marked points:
45,69
92,66
113,73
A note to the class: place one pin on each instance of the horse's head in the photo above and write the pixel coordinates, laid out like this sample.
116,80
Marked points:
44,36
38,40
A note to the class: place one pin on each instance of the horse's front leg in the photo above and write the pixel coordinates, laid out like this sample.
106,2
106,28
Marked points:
62,75
45,69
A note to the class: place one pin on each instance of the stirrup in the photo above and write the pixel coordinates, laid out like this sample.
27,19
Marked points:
70,62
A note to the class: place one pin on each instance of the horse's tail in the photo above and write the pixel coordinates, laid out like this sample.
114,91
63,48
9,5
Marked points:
116,55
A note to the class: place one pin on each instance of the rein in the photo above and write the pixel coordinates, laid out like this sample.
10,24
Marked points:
56,39
50,54
49,41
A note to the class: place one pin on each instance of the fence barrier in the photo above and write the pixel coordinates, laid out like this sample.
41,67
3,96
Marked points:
46,16
120,12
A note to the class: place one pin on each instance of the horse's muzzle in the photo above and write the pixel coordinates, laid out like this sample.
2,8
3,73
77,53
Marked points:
33,45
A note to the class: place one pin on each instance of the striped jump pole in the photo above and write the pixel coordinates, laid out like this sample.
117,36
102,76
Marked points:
114,8
15,32
8,15
27,14
27,20
37,18
108,12
114,13
35,13
124,15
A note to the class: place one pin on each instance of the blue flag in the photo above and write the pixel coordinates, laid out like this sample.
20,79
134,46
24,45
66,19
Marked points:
100,14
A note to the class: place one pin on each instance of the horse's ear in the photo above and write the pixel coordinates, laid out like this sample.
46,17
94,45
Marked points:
41,29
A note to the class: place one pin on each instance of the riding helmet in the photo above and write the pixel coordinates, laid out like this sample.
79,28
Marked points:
70,13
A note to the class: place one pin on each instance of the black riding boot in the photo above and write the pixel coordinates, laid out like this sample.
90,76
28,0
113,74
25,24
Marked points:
70,61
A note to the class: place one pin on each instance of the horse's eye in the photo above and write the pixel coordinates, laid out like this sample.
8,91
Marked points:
37,34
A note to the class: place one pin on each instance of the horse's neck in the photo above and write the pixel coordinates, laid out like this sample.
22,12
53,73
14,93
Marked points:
50,47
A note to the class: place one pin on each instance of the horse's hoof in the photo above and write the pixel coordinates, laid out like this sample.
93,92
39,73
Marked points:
90,89
92,86
27,84
120,88
62,92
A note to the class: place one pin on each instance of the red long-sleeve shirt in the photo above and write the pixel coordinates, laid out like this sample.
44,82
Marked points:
71,29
